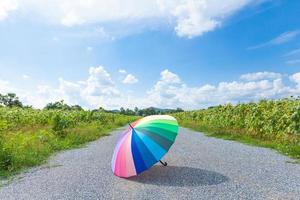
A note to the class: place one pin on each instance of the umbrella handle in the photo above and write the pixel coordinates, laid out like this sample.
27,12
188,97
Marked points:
163,163
130,126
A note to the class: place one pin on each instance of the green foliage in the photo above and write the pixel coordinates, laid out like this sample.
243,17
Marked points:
60,105
149,111
29,136
10,100
296,120
141,112
268,120
59,125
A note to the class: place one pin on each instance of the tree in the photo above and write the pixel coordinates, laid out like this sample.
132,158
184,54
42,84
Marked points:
101,109
136,111
122,111
179,110
76,107
59,105
140,113
129,112
149,111
10,100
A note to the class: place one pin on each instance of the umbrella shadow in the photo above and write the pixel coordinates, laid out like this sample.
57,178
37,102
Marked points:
179,176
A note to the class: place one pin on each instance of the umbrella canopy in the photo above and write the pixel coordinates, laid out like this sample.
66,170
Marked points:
143,144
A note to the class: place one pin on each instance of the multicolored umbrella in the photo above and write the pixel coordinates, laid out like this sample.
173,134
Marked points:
143,144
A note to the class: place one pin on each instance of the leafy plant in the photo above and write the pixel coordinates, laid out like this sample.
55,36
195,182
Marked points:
276,121
29,136
296,120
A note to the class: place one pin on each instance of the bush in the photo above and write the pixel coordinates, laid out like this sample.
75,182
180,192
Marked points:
59,125
29,136
274,121
296,120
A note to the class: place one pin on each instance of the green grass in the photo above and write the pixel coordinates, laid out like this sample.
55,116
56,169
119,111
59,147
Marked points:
290,149
29,136
31,145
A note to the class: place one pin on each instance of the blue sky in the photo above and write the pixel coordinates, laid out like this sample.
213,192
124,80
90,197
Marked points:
190,53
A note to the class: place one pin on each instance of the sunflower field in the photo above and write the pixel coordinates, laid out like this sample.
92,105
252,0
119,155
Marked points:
269,123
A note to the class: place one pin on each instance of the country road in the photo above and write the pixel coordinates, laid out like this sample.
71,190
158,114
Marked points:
199,168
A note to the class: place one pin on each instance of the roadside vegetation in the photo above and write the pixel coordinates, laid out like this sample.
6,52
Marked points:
29,136
268,123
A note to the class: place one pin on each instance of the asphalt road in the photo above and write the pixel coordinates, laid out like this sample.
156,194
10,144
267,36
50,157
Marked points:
199,168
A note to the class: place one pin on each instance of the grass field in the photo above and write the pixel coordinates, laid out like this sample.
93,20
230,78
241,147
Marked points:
28,136
269,123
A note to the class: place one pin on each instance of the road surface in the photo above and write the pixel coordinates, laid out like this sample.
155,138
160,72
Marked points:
199,167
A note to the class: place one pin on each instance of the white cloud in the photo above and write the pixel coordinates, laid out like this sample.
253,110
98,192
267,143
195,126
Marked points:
173,92
285,37
94,31
100,83
293,62
293,52
89,49
195,18
295,78
130,79
99,89
55,39
7,6
169,77
25,76
5,86
69,91
260,75
44,94
281,39
191,22
127,78
167,91
293,57
238,91
190,18
122,71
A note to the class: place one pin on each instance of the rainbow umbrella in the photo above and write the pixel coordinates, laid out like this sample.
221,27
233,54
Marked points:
143,144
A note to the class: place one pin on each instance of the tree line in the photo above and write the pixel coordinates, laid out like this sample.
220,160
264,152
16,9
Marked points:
12,100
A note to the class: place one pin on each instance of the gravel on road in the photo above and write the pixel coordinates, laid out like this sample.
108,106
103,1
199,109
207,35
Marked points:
199,167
